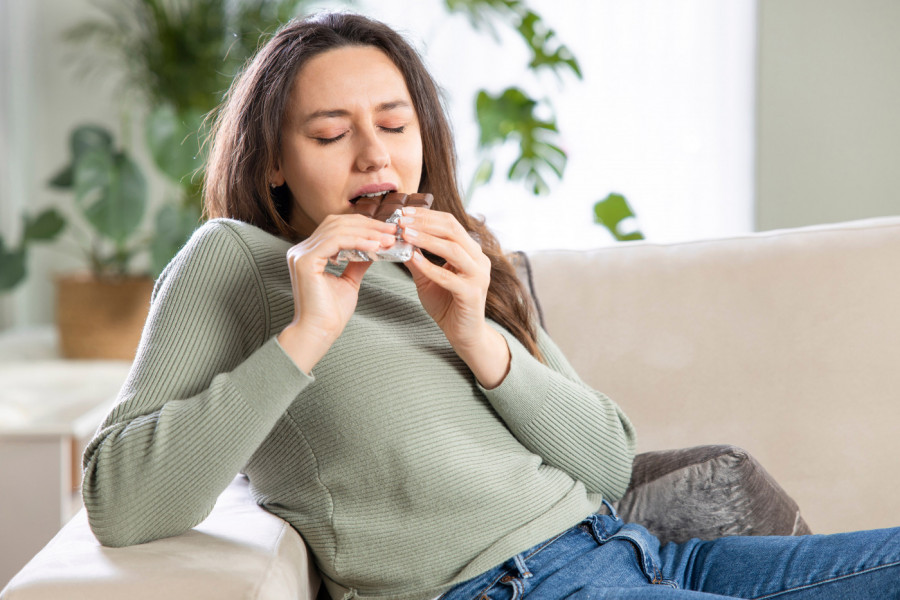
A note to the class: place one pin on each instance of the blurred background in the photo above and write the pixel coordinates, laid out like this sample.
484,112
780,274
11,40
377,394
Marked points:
709,117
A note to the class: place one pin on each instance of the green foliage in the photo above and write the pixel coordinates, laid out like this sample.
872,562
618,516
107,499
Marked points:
611,212
174,141
111,194
546,51
42,228
540,40
12,266
177,57
178,51
511,116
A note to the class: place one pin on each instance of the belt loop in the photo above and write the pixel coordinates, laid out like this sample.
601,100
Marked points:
612,511
520,566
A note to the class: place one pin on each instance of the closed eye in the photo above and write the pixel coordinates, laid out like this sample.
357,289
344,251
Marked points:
394,129
325,141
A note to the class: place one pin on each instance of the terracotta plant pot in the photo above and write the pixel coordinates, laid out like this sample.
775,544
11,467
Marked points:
101,318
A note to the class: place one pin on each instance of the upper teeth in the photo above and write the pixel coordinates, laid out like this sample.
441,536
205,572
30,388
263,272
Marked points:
373,195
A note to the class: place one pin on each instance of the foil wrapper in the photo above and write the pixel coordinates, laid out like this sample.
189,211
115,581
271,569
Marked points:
401,251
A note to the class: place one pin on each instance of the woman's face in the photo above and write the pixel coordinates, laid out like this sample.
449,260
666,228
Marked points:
349,129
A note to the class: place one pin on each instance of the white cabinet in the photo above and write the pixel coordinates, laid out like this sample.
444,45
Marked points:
49,410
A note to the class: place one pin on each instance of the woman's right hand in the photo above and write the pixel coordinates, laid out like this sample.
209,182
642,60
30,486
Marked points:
324,303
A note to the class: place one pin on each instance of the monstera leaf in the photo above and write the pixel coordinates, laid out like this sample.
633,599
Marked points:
510,116
82,141
111,192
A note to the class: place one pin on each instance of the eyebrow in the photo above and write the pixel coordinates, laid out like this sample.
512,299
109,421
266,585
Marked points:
340,112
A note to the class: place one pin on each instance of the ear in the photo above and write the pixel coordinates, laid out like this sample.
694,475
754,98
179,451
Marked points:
276,177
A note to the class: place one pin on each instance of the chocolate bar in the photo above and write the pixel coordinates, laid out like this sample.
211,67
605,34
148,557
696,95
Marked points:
382,207
387,208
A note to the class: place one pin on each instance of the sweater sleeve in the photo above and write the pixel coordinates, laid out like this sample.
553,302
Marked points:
205,389
564,421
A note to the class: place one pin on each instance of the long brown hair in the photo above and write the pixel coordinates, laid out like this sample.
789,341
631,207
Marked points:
246,140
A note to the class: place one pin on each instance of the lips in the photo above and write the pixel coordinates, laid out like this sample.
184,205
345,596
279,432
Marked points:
373,190
375,195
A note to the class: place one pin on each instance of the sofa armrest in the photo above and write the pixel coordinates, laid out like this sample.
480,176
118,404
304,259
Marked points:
239,551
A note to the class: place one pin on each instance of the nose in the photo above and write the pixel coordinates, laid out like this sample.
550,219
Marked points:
372,154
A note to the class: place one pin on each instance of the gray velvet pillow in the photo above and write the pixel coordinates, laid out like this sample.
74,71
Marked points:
707,492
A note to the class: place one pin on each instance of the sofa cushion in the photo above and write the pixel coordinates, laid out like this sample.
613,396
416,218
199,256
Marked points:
707,492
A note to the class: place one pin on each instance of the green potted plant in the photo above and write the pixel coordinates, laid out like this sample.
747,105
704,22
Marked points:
99,312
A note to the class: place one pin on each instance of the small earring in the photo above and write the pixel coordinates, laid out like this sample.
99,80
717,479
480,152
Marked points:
273,186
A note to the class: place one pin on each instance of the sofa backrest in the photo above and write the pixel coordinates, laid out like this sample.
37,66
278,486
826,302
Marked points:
786,343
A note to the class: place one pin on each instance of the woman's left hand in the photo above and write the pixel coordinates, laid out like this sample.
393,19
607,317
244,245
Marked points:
455,294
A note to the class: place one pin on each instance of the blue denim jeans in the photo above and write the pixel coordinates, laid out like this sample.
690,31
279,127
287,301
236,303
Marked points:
604,557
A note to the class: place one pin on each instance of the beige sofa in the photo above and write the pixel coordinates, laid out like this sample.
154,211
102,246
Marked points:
784,343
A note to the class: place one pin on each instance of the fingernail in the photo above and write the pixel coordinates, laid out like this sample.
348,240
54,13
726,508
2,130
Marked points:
411,232
409,210
406,220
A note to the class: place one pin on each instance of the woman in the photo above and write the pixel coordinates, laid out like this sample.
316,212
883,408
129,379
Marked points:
410,421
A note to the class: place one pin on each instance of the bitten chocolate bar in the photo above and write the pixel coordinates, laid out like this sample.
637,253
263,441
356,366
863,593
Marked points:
382,207
387,208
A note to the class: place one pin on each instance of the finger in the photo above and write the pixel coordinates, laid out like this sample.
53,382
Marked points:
421,268
341,226
439,224
349,225
451,251
353,220
330,243
354,272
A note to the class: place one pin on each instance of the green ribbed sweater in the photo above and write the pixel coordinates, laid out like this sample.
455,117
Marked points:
403,475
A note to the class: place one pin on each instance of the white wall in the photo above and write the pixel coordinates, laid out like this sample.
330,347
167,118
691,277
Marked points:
828,143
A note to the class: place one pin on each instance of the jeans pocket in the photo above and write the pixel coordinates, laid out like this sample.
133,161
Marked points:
646,556
644,544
